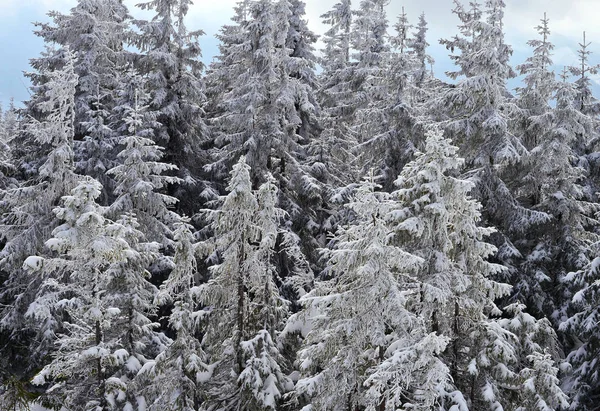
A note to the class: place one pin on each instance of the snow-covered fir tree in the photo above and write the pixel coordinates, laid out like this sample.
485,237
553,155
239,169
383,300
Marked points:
383,122
369,40
584,383
8,131
586,144
365,349
479,120
331,158
423,61
243,307
538,89
334,162
169,58
476,113
226,66
175,379
438,221
456,295
28,219
140,176
555,180
268,115
586,103
538,351
96,30
97,282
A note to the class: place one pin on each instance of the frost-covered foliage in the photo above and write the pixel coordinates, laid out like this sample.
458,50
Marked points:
254,121
333,149
139,178
175,379
477,107
8,131
365,349
537,351
269,112
582,325
169,59
96,30
97,285
442,283
555,181
438,221
29,220
538,89
369,39
477,114
424,62
585,101
243,307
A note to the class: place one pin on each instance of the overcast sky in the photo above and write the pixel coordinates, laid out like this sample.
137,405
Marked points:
568,19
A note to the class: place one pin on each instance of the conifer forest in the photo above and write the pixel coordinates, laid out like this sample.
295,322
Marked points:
308,223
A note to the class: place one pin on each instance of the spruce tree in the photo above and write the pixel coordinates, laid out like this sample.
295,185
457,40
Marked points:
555,182
580,326
29,220
365,349
9,124
96,30
476,114
140,176
268,115
97,282
175,379
423,61
334,161
586,103
538,89
169,57
246,364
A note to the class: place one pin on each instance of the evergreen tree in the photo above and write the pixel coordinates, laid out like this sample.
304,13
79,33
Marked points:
267,109
585,145
97,283
369,39
140,176
334,163
586,103
169,60
365,349
8,131
226,66
556,183
476,115
423,61
539,85
399,115
331,157
537,350
246,311
174,380
96,30
455,295
581,327
28,219
302,71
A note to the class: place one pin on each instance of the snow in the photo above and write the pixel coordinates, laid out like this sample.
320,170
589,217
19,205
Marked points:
33,263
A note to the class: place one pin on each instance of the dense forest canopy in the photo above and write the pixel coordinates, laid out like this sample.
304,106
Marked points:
293,228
